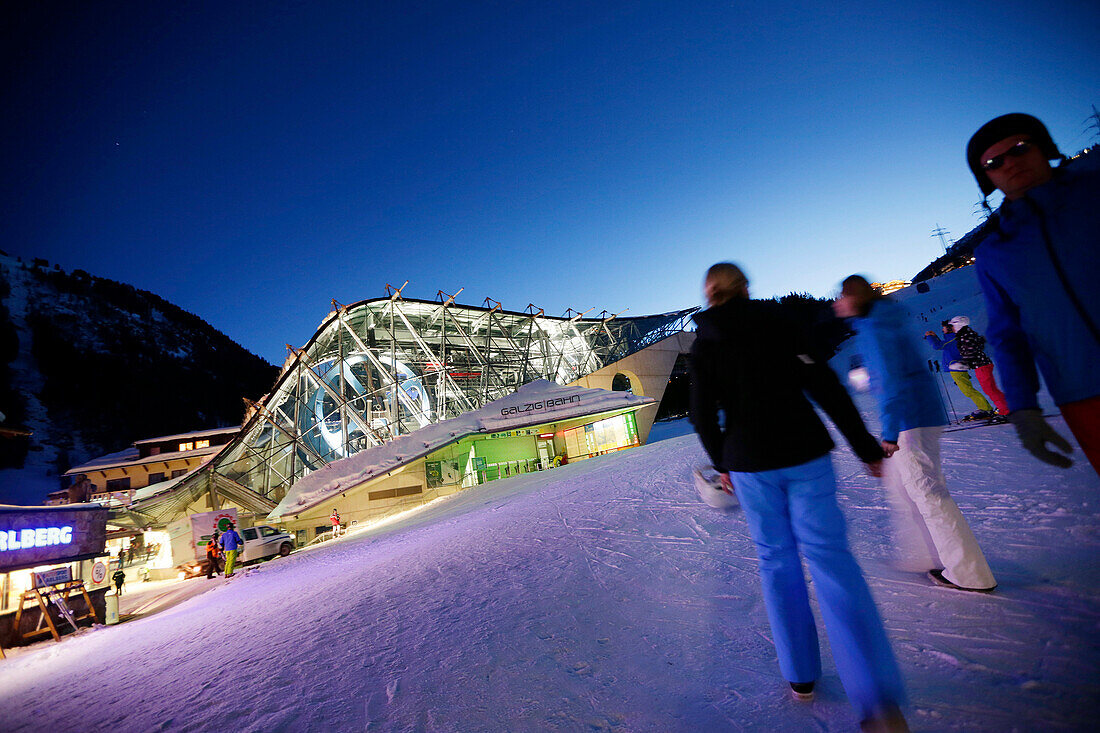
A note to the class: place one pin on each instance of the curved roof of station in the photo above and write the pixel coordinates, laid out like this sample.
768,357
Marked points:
535,403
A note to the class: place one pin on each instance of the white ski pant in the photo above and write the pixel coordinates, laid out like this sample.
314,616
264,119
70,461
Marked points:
929,529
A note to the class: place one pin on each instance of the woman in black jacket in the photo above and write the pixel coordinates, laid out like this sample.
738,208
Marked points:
756,364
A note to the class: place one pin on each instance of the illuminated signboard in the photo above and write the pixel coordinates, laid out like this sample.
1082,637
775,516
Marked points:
550,403
54,576
13,540
32,536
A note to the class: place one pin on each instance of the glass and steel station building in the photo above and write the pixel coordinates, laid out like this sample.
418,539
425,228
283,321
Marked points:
387,367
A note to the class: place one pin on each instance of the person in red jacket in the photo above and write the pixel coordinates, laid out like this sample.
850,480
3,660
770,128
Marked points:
213,556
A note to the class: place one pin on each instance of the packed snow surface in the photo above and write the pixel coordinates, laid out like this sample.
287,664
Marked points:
602,595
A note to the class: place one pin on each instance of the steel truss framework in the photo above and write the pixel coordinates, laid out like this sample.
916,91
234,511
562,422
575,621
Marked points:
382,368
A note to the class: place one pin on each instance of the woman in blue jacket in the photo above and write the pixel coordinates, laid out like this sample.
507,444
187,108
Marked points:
931,531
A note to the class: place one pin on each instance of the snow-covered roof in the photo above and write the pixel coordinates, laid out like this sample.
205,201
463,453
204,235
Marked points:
210,432
131,457
535,403
17,508
125,456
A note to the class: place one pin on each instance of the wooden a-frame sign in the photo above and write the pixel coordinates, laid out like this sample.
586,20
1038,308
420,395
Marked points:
60,594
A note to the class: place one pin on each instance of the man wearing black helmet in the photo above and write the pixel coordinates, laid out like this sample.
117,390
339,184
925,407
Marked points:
1039,270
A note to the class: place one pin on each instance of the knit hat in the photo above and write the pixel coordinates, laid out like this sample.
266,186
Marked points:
998,129
959,322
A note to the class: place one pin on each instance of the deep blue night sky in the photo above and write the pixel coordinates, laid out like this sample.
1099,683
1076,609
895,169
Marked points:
252,161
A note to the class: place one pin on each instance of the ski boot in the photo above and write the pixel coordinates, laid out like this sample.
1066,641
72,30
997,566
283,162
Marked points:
978,415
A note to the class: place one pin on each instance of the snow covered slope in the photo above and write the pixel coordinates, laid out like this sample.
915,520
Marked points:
599,596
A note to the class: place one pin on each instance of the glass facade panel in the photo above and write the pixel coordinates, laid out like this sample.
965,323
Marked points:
602,436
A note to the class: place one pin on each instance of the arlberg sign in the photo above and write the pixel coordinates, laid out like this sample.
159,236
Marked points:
53,576
539,405
39,535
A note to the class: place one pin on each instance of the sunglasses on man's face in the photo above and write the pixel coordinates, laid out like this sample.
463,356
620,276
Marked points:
1015,151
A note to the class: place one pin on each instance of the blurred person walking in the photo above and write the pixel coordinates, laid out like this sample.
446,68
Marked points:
119,577
932,533
773,450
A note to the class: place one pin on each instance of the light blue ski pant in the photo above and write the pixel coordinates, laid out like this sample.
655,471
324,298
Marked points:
795,508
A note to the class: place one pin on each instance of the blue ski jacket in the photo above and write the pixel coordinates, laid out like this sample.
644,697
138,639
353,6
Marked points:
951,361
906,392
1039,270
230,540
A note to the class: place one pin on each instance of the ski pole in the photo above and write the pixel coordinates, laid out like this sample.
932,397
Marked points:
946,392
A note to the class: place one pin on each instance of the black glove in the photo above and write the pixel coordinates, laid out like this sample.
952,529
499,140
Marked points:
1035,433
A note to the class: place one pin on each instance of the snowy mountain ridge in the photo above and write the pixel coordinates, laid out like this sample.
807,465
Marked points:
90,365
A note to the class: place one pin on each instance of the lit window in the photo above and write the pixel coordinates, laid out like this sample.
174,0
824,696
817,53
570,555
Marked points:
202,443
187,446
602,436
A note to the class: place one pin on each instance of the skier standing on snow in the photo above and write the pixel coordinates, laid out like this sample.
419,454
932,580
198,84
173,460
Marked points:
119,577
231,543
931,531
213,553
972,351
960,373
776,452
1038,269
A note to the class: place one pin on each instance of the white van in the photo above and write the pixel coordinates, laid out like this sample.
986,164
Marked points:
263,542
